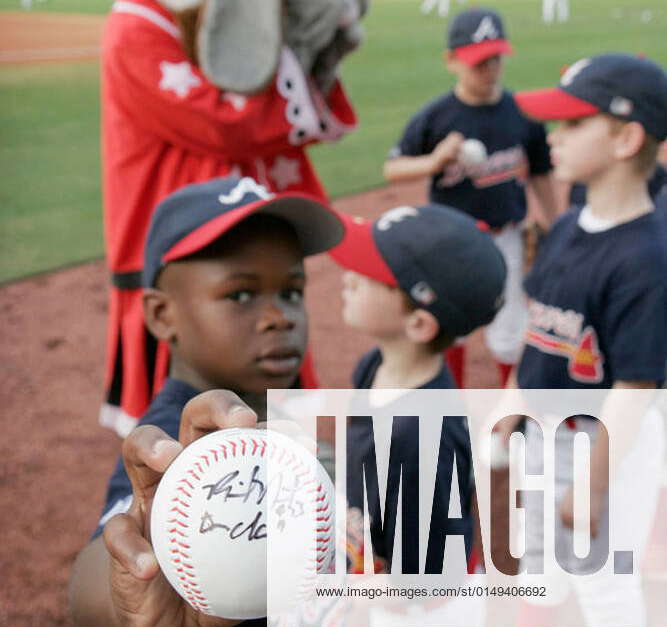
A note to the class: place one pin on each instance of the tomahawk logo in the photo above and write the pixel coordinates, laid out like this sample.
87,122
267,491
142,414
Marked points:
245,186
571,73
486,30
394,216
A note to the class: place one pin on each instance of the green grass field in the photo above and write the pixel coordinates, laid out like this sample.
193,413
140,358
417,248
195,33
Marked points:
49,114
64,6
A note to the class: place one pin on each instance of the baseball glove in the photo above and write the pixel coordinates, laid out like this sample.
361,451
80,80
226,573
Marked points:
532,234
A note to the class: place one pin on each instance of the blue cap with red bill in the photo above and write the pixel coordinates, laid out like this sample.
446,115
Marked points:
197,215
625,86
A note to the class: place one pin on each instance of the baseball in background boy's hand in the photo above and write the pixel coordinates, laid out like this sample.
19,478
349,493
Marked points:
140,593
566,510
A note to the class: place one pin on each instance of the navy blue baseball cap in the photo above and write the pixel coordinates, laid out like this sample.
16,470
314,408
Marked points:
196,215
625,86
477,34
437,255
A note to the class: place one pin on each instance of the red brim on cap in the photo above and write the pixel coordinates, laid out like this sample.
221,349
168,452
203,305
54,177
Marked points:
553,104
472,54
358,252
317,226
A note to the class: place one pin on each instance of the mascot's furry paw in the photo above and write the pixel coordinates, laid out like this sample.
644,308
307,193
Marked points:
239,41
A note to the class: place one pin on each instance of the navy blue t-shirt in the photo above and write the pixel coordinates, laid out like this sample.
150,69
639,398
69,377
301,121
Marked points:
454,440
164,412
597,305
516,147
657,189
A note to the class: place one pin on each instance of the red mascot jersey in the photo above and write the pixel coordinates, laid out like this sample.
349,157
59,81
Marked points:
164,125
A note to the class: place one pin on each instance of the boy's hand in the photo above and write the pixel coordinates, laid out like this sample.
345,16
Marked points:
506,427
139,591
566,510
447,151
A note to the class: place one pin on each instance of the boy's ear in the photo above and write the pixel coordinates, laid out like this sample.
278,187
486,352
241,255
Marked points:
158,314
629,140
421,326
449,60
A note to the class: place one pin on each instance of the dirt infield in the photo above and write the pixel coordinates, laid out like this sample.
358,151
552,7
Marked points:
39,37
54,458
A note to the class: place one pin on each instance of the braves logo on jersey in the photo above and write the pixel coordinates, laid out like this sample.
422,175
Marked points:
499,167
559,332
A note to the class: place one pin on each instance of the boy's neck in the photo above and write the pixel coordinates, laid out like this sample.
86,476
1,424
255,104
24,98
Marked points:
475,100
406,364
618,195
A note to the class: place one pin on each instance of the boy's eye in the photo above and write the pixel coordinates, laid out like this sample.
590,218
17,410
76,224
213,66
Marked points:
293,295
240,296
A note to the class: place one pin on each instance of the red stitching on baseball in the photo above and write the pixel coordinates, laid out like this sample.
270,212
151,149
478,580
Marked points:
314,489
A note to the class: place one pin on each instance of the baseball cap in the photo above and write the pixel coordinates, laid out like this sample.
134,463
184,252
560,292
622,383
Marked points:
196,215
625,86
180,5
477,34
436,255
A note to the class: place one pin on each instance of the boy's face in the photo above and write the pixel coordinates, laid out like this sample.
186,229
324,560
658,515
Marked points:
237,314
372,307
581,149
480,81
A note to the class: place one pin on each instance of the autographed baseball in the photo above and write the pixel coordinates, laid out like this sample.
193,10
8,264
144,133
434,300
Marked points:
472,152
243,520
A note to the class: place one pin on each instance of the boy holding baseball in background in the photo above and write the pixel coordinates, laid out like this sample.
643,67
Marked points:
223,285
598,310
417,278
485,176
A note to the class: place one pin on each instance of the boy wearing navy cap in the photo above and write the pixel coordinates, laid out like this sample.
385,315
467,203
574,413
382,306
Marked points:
417,278
598,294
223,285
489,187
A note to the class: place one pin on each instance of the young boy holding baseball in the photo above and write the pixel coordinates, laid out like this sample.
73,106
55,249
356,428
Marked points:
405,288
598,299
223,285
489,186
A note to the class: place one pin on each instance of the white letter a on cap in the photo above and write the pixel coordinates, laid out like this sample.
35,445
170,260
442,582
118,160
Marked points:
244,186
486,30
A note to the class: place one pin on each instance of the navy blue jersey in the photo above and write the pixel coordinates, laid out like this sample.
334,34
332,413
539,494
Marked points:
657,189
367,367
516,147
455,440
164,412
598,305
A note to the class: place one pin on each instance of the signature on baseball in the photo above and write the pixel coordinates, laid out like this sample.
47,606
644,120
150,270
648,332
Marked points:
254,529
230,488
282,498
